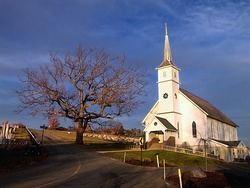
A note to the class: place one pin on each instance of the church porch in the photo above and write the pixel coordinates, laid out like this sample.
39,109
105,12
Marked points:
159,139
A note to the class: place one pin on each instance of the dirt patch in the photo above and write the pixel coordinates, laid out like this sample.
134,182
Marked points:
145,163
214,179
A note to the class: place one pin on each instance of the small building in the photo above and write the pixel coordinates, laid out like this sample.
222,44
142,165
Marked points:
229,150
181,118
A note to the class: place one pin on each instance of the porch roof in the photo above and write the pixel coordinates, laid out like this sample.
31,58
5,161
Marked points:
156,132
167,124
229,143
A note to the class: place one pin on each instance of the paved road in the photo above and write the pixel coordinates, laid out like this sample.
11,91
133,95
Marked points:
70,166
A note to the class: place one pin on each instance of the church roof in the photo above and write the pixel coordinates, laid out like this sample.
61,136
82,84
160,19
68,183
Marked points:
229,143
166,123
209,108
166,63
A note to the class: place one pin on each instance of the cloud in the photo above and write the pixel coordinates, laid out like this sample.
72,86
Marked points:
219,17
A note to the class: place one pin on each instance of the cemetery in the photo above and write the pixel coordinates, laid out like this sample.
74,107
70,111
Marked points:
15,136
18,148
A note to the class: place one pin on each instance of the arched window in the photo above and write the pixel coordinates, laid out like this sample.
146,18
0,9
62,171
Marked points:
164,74
194,131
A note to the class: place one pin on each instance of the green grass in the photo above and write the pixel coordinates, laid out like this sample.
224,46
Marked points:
171,158
21,134
110,145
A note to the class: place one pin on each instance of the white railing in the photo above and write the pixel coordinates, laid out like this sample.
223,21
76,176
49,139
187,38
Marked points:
189,151
32,136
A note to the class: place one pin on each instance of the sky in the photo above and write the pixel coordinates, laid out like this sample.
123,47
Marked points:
209,39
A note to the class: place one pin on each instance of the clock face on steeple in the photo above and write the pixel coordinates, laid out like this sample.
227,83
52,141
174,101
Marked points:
165,95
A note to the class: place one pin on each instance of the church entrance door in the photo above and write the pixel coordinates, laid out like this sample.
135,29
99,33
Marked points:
156,135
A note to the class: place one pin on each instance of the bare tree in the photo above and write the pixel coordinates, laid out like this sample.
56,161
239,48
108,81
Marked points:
53,122
112,127
83,85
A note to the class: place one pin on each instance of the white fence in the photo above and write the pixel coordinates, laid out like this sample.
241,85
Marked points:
189,151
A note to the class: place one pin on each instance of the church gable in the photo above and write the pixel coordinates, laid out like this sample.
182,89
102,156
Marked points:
151,114
159,124
154,125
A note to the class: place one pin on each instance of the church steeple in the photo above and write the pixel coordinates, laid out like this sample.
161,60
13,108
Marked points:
168,84
167,51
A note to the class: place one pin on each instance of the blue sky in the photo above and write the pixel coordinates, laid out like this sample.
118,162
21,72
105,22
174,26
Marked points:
210,42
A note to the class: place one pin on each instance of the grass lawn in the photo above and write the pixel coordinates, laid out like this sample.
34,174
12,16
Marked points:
64,135
171,158
21,134
92,143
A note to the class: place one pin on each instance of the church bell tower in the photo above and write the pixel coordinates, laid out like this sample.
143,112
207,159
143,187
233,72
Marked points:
168,86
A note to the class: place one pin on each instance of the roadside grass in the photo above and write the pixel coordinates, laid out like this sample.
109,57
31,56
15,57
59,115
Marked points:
21,134
171,158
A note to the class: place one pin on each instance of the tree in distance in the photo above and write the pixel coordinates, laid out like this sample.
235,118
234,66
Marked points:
53,122
82,85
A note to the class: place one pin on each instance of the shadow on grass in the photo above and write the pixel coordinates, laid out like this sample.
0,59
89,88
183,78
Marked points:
105,146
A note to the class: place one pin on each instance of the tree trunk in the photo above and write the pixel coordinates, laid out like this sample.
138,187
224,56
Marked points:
79,133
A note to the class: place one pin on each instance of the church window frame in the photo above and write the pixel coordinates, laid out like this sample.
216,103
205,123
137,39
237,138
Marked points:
194,129
175,74
164,74
178,128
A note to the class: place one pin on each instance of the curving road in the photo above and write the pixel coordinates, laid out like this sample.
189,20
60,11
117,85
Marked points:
70,166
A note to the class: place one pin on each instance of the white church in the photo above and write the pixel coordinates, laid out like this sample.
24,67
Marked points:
181,119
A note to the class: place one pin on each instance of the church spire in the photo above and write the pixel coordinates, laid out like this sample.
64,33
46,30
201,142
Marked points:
167,51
